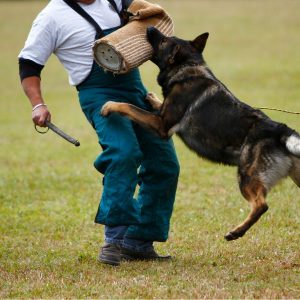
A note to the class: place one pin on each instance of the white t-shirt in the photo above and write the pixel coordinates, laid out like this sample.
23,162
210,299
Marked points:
60,30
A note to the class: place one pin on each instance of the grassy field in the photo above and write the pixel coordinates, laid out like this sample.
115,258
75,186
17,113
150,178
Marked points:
49,191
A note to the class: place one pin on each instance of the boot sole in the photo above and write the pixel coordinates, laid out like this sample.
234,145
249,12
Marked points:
108,261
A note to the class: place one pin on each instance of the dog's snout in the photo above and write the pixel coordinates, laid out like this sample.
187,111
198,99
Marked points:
154,33
150,31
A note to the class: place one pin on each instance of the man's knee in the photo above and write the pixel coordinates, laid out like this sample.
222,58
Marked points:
129,156
160,172
123,159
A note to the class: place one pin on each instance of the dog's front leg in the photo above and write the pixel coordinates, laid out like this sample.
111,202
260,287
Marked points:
136,114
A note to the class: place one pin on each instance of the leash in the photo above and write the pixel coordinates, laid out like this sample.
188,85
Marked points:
281,110
59,132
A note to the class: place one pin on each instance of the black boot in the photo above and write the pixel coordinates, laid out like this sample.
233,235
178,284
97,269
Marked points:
110,254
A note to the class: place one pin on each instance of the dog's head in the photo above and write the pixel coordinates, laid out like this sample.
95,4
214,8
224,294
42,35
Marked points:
172,51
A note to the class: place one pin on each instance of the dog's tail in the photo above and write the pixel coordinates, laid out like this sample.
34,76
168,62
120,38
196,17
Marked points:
292,142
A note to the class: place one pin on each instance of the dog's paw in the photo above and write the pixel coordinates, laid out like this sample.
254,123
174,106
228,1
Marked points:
151,96
233,235
173,130
153,100
230,236
107,108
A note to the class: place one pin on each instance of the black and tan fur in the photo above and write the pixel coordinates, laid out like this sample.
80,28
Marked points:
215,124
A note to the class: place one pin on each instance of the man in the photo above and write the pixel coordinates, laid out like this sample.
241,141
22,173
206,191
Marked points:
131,155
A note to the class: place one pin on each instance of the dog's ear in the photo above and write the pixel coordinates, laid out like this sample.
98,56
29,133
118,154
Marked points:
200,41
171,57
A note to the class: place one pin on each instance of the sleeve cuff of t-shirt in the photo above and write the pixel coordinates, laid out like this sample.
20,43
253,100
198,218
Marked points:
28,68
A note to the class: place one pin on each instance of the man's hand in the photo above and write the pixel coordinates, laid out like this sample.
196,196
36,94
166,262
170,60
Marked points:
40,115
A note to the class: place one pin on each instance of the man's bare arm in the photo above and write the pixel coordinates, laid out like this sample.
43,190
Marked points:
32,88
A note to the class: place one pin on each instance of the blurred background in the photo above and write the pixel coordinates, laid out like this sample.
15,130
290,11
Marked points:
49,191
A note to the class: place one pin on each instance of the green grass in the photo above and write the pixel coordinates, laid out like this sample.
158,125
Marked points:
49,191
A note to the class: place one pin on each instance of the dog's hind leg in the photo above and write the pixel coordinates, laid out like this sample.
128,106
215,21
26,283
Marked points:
251,165
261,166
255,192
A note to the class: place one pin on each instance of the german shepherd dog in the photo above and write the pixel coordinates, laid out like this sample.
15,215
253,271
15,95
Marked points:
214,123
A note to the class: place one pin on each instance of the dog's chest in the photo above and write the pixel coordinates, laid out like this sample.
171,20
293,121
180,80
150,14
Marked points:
175,105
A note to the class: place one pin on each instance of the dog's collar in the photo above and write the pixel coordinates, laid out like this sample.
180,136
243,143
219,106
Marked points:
179,68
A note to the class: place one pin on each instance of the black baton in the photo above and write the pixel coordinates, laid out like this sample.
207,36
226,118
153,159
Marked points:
60,133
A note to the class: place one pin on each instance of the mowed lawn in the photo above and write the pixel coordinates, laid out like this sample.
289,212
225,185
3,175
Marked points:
49,190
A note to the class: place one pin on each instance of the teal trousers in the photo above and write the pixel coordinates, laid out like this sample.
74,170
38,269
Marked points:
133,160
